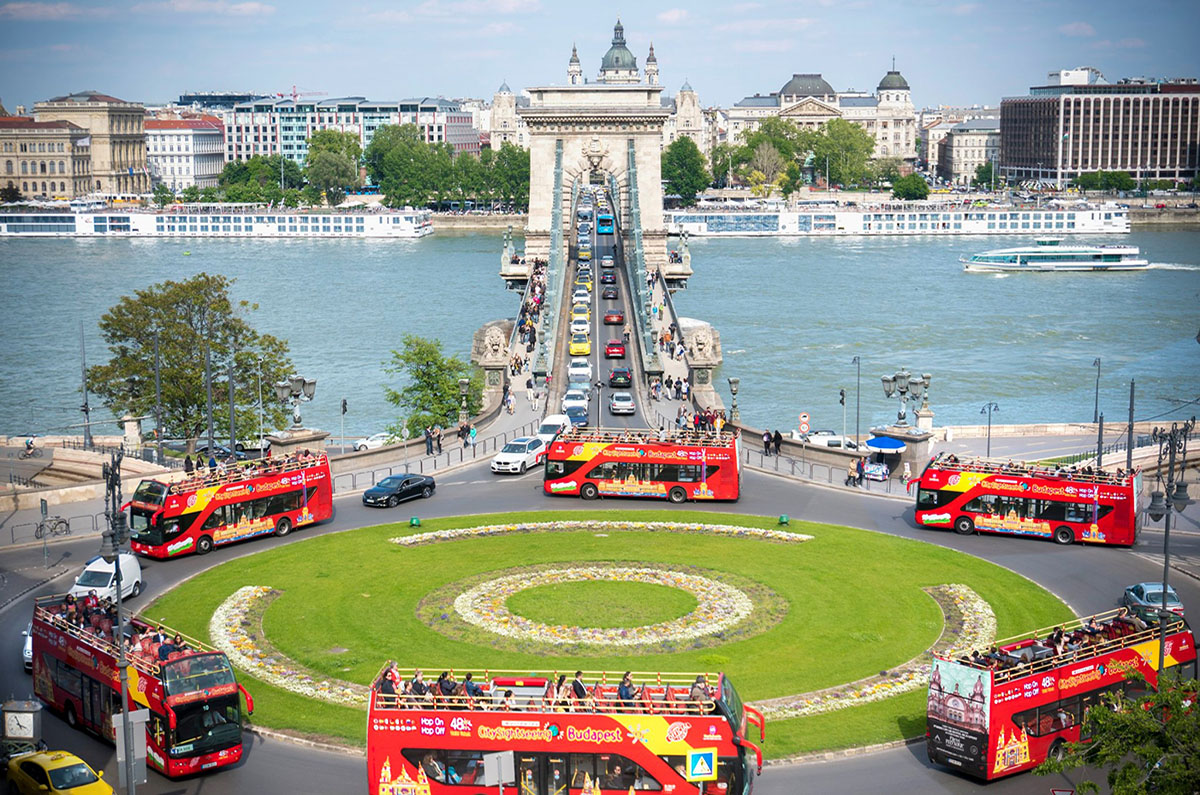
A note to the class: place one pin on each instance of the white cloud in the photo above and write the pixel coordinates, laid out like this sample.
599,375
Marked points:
762,45
767,25
214,7
461,8
48,12
1077,29
390,16
963,9
672,16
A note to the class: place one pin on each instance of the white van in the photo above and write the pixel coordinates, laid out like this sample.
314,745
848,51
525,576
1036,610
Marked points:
100,576
552,426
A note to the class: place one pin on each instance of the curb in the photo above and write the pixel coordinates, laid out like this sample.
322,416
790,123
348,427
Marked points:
1174,566
845,753
286,737
15,597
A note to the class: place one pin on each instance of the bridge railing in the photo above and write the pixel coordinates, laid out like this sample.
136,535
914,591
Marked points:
635,270
556,272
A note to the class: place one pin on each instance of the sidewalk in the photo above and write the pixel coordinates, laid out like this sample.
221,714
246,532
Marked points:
668,408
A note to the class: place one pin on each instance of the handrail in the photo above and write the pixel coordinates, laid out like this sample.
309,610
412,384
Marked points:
949,461
634,436
753,716
252,469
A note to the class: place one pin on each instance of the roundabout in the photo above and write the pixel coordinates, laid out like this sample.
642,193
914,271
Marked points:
806,621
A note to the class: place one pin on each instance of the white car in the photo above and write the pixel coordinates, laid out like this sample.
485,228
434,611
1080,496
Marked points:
101,576
575,398
581,296
27,647
580,369
580,326
621,403
552,426
372,442
519,455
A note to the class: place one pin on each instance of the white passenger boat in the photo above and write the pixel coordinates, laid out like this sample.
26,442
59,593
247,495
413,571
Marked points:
212,222
1048,255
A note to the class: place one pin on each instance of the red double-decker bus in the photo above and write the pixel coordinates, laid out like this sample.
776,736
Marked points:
249,500
977,494
686,465
560,744
195,713
1004,711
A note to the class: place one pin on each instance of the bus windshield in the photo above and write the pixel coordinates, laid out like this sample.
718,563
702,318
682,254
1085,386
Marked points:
196,672
151,492
733,705
206,726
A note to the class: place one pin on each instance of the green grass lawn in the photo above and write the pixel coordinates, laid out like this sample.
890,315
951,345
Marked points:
855,607
590,604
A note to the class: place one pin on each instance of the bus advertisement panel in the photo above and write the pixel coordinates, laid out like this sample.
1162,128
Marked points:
686,465
1028,500
189,688
560,744
249,500
992,714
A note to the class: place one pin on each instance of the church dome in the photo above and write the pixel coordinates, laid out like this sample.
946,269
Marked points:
893,81
618,56
807,86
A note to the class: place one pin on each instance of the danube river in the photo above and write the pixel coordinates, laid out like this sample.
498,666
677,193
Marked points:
791,314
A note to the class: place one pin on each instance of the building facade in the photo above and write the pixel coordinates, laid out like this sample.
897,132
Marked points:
118,138
1149,128
45,159
687,119
505,125
809,101
185,153
271,126
965,147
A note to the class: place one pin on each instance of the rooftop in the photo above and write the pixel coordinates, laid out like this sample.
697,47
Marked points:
82,97
183,124
27,123
807,85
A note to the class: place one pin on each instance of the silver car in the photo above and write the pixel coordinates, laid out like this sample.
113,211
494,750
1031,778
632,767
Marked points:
621,403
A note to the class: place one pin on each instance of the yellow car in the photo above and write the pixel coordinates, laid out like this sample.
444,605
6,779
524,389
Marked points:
580,345
54,771
584,282
581,311
585,255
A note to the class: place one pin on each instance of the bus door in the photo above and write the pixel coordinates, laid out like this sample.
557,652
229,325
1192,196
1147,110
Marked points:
542,774
95,705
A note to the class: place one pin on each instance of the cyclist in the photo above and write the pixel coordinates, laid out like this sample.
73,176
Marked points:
29,446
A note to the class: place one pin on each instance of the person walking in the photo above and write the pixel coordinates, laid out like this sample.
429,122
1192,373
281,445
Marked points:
437,437
625,333
188,466
861,471
428,434
851,474
472,434
529,388
766,437
777,440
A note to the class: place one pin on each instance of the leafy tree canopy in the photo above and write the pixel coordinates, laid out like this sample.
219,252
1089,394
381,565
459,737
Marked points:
340,143
188,316
163,195
842,146
781,134
263,170
910,187
683,170
430,395
330,172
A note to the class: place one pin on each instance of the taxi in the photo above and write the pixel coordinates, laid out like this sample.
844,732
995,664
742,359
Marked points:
54,771
580,345
581,312
584,281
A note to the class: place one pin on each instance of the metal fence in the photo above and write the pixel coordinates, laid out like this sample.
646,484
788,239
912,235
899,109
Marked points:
816,472
1121,445
453,456
78,525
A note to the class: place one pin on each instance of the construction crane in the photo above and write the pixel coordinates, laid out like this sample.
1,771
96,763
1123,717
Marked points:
294,94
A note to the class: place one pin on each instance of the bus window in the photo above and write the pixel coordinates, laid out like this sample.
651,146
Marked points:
215,519
529,774
605,471
729,775
934,498
464,767
583,769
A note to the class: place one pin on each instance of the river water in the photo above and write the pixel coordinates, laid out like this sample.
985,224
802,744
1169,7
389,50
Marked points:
791,313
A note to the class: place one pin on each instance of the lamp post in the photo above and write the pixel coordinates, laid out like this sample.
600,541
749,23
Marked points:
208,393
294,391
907,387
111,542
1096,410
1172,444
464,384
987,409
734,414
158,424
261,409
599,386
857,362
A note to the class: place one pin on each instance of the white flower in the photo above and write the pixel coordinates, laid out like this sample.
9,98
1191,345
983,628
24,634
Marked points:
736,531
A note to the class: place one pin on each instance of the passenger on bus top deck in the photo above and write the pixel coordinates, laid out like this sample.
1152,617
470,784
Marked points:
1092,627
509,703
699,691
419,688
626,691
472,690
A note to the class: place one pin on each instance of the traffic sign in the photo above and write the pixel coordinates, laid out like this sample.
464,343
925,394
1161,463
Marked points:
1062,792
804,426
804,416
702,764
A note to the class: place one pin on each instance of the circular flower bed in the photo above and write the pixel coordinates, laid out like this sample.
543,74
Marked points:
719,607
599,526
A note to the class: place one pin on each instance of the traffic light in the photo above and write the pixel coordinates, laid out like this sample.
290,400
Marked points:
841,398
343,405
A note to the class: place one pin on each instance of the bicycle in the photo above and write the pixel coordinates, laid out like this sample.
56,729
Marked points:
30,452
56,525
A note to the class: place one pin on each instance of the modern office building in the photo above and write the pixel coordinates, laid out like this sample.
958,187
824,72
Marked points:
1148,127
184,153
118,138
269,126
45,159
965,147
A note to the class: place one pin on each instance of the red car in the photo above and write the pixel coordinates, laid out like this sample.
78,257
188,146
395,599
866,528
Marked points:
615,349
614,317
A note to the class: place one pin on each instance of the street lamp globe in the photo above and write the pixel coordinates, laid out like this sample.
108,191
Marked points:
1158,506
283,391
889,385
733,384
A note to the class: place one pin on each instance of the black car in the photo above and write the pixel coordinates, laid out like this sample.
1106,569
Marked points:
578,415
608,277
219,451
610,292
393,490
620,376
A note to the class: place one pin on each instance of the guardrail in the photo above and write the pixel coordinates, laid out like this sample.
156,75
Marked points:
1140,441
80,523
817,472
635,271
489,445
556,268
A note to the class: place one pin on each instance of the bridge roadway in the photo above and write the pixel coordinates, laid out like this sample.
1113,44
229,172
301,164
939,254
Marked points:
1088,578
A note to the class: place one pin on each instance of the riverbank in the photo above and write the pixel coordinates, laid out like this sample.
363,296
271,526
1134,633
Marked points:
446,222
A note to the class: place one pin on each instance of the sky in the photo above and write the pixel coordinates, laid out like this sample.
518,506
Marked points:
951,53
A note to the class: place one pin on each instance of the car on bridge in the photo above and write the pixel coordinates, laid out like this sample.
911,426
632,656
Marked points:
372,442
578,416
584,281
610,293
579,370
614,349
395,489
1146,598
606,261
519,455
552,426
581,296
585,254
580,345
580,326
53,772
574,397
621,403
620,376
608,277
614,317
581,310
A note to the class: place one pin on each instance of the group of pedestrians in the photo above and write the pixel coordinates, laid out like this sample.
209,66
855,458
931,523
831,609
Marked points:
466,434
772,440
433,438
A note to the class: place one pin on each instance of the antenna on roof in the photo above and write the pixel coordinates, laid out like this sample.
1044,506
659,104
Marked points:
893,63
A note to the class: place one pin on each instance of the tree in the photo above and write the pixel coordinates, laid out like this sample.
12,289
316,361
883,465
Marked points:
311,195
291,198
782,135
724,158
758,183
340,143
431,395
188,316
261,171
190,194
887,169
767,160
1149,744
163,195
844,146
910,187
683,170
791,180
983,174
1116,180
512,174
330,172
10,193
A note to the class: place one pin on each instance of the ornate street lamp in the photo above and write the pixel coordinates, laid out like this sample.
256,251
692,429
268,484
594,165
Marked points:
1172,444
907,387
734,414
987,409
464,384
294,391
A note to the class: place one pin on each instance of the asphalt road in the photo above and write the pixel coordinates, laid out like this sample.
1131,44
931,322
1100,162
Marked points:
1088,578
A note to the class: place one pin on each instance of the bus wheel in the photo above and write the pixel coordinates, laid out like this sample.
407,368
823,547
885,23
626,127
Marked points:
1057,751
964,526
677,495
588,491
283,527
203,545
1063,535
71,721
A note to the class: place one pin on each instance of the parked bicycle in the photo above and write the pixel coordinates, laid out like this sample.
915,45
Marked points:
54,525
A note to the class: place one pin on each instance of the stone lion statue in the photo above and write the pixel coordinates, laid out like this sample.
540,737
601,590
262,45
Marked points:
702,342
493,341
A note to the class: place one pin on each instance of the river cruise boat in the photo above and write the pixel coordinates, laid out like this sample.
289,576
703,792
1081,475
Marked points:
896,220
216,222
1047,255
